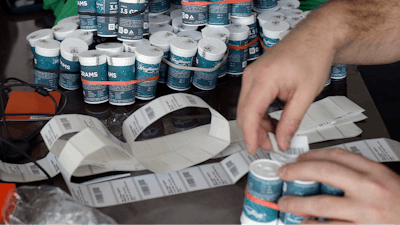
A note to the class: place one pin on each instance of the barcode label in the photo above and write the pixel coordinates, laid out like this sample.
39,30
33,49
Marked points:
111,26
35,169
252,50
145,187
355,150
232,167
40,117
296,151
150,113
189,178
66,123
191,100
98,195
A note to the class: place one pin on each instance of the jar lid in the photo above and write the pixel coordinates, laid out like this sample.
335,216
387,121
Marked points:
178,25
161,39
184,47
211,48
47,47
87,36
92,58
121,59
270,16
62,30
238,32
291,12
289,4
39,35
194,35
274,28
72,19
130,46
160,19
244,20
160,27
221,33
148,54
110,47
71,47
293,21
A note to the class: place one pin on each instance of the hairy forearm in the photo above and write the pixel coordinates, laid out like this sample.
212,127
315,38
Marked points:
358,31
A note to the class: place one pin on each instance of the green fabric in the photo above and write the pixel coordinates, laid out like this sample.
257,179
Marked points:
310,4
62,9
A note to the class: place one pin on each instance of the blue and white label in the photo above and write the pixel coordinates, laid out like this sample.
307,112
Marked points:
237,58
87,22
94,93
223,69
67,80
179,79
330,190
265,4
269,42
121,94
219,14
339,71
146,89
259,213
107,25
242,9
195,14
163,69
48,63
254,49
205,80
158,6
131,28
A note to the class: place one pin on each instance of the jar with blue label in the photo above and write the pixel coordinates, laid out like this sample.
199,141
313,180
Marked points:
161,40
182,53
69,61
94,68
110,47
268,16
195,14
87,23
254,49
192,34
271,32
210,52
131,28
221,33
86,36
338,71
107,25
148,60
44,34
60,31
219,14
237,58
263,183
158,6
265,4
242,9
129,46
178,26
298,188
47,57
121,67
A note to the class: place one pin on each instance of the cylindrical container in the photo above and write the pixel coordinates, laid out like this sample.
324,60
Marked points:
219,14
210,52
131,28
88,23
72,19
260,11
110,47
293,21
69,61
263,183
148,59
194,35
86,36
177,13
289,4
271,32
178,25
221,33
298,188
154,28
47,57
94,68
265,4
121,67
254,49
159,19
129,46
268,16
162,40
338,71
237,58
62,30
158,6
32,38
107,25
195,14
292,12
146,24
242,9
182,53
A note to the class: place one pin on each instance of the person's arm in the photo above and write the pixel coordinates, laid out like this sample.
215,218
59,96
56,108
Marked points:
297,68
372,191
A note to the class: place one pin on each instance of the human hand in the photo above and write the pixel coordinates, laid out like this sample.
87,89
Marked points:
372,191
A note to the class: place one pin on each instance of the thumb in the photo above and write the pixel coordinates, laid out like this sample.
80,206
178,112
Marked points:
291,118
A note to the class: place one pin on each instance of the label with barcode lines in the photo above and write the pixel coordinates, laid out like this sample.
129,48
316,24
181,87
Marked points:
189,178
144,186
98,195
66,123
296,151
355,150
40,117
150,113
232,167
35,170
191,100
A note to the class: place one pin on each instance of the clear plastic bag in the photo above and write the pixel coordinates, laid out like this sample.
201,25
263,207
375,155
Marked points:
51,205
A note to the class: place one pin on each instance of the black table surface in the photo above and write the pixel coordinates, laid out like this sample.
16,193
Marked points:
217,205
